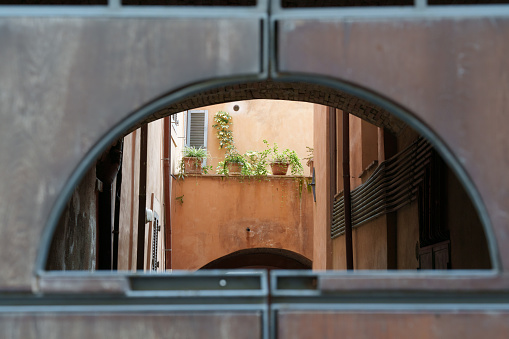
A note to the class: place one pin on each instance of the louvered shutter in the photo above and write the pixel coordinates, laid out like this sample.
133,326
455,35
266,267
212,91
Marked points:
197,121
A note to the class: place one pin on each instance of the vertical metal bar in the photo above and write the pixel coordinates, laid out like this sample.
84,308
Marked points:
114,4
333,173
333,154
421,4
140,253
346,190
167,183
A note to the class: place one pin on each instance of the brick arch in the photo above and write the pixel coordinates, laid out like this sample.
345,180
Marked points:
293,91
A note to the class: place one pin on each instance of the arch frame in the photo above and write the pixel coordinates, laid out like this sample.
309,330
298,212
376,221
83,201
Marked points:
279,70
165,101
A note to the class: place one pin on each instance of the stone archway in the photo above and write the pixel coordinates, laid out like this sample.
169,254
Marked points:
294,91
271,258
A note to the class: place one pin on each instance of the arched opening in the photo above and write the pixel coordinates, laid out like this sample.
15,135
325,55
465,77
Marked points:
261,258
395,137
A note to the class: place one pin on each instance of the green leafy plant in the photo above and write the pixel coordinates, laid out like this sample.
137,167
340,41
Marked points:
310,151
224,133
286,156
231,158
206,169
234,158
199,154
193,152
255,163
180,199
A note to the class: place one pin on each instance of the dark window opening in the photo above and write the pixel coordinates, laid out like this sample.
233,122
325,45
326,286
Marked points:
54,2
189,3
345,3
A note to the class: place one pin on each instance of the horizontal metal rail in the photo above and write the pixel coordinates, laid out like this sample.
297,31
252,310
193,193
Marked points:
393,185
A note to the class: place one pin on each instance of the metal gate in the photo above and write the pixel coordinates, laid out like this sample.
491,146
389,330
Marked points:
74,78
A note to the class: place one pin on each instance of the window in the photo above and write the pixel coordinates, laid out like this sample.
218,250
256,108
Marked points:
197,123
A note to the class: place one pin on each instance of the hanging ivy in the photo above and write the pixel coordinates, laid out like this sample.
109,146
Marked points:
224,133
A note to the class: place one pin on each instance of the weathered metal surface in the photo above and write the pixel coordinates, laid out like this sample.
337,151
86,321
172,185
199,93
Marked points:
434,324
66,284
131,325
408,282
450,73
388,304
65,82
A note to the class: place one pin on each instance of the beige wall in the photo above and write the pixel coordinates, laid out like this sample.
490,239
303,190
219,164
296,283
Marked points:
128,224
288,123
322,248
213,218
128,218
155,198
178,140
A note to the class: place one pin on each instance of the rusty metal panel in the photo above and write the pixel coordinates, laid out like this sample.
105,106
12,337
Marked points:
428,324
135,325
204,304
389,304
66,82
446,75
406,281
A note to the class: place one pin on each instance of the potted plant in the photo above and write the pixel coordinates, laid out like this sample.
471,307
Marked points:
192,159
234,162
282,160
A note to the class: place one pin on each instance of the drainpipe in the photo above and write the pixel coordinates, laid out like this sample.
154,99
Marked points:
346,190
140,252
166,185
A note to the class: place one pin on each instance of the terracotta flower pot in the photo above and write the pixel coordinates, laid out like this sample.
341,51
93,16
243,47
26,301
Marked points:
279,168
234,168
192,165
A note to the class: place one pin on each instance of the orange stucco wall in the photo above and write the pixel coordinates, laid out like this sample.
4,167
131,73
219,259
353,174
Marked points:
215,213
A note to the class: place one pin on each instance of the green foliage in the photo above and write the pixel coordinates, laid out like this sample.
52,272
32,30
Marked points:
286,156
206,169
199,154
255,164
231,158
311,152
180,199
222,168
224,134
193,152
234,158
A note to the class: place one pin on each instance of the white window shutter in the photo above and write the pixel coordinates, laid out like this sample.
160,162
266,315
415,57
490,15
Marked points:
197,123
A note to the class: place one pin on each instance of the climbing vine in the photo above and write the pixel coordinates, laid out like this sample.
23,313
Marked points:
224,133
